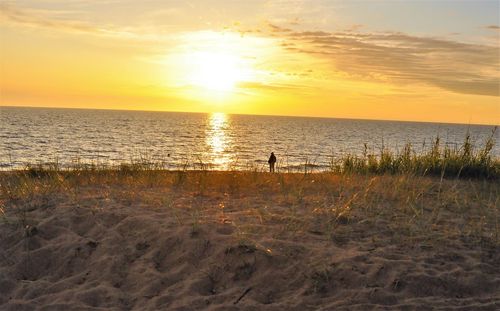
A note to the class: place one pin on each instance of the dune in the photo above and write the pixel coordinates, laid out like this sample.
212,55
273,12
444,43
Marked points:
247,241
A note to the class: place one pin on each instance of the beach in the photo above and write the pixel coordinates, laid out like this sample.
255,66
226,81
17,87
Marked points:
209,240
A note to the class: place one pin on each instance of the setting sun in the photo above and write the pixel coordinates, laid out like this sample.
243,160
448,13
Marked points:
218,67
216,71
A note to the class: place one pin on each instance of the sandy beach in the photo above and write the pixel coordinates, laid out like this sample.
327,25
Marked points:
247,241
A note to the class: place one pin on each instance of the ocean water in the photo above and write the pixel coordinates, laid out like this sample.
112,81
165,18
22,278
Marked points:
219,141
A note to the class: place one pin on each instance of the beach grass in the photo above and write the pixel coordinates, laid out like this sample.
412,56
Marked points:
465,160
417,202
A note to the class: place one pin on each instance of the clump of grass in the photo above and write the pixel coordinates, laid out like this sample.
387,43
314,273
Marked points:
466,161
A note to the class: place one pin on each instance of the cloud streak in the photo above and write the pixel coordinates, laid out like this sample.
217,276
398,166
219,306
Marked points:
404,59
14,15
54,20
269,87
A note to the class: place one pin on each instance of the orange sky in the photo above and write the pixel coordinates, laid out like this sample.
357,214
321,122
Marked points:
322,58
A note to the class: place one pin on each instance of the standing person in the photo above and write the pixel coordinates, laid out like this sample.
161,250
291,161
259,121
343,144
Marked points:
271,161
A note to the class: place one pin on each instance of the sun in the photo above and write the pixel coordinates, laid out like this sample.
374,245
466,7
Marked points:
217,68
217,71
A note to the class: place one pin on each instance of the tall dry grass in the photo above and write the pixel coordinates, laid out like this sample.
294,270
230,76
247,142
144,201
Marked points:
466,160
411,208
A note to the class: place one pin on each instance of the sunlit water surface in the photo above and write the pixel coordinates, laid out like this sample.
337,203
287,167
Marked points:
214,141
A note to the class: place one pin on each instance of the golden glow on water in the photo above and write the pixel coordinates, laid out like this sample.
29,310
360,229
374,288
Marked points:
218,139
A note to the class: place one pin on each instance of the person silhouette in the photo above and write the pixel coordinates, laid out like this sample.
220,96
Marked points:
271,161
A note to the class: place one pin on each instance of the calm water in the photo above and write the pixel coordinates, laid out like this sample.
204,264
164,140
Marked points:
224,141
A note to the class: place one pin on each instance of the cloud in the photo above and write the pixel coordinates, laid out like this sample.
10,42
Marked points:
404,59
310,34
275,28
494,27
58,20
354,28
270,87
39,18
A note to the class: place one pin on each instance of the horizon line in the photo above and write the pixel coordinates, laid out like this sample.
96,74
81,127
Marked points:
254,114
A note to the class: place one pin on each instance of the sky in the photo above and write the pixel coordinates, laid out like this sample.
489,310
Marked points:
421,60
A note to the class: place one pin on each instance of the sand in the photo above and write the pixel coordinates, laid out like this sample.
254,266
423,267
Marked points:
113,246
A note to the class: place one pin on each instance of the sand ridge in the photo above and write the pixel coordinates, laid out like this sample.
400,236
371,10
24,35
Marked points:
111,253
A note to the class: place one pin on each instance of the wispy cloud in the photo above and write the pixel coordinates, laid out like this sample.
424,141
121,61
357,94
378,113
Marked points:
40,18
270,87
63,21
404,59
277,29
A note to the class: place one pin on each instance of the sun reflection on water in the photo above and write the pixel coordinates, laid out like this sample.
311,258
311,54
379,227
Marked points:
218,140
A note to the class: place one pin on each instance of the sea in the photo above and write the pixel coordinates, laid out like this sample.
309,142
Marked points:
216,141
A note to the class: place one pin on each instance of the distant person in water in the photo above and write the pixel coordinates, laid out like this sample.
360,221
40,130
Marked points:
271,161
